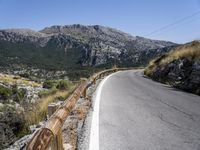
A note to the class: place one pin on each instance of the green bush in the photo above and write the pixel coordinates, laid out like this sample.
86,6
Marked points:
13,126
25,75
49,84
19,94
63,85
44,93
5,93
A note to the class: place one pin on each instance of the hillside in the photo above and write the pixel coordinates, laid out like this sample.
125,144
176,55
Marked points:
179,68
74,47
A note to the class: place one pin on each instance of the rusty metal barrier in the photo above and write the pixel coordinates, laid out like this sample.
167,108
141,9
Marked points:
51,135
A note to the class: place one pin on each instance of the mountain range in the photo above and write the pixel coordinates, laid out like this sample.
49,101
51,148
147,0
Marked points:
75,47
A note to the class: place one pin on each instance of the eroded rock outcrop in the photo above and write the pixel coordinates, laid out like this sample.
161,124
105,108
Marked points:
183,73
180,68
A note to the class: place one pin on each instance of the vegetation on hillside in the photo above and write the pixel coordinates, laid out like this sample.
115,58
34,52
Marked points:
18,112
27,56
190,51
14,93
38,111
48,57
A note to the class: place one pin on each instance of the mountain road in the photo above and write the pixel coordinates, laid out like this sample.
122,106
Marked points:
136,113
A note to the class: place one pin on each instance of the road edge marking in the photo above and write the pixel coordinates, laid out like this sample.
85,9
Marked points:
94,130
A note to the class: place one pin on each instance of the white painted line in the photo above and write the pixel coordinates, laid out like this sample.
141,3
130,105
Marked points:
94,132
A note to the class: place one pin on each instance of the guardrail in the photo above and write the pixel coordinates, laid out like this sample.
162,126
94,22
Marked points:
51,135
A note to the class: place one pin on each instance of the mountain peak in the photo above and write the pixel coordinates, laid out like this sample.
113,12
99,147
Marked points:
24,32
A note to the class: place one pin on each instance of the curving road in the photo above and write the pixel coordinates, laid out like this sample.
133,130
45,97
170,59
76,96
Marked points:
136,113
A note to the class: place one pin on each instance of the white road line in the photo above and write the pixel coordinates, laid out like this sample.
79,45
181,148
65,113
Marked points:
94,132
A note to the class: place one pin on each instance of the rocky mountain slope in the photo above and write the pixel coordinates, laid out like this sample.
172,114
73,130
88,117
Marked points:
74,47
180,68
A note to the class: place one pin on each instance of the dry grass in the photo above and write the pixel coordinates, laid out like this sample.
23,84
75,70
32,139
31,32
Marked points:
190,51
39,110
83,80
10,79
149,69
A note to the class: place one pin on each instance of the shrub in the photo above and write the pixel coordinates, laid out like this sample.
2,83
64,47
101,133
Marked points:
25,75
5,93
12,127
45,93
19,94
63,85
49,84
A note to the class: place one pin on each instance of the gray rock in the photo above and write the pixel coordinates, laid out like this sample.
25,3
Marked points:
181,73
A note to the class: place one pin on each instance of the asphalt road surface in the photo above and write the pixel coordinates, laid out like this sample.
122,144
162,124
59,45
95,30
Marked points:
136,113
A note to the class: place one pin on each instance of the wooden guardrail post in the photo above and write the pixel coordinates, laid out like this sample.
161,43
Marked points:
94,81
85,93
52,107
57,143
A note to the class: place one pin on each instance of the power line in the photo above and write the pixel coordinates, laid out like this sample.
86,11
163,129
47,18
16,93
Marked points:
178,25
174,23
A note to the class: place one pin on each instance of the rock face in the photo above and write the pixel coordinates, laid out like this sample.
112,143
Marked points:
106,43
181,72
74,46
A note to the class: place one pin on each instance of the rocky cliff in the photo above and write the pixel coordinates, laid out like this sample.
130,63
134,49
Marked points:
180,68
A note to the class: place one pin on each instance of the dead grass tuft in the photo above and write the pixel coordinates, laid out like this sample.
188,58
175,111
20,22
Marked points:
190,51
38,110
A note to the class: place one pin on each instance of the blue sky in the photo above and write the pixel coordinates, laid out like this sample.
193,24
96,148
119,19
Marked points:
137,17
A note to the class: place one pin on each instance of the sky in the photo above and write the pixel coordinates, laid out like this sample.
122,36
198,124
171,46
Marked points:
172,20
